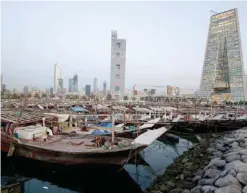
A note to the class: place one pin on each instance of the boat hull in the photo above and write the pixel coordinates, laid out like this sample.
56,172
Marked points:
112,158
5,142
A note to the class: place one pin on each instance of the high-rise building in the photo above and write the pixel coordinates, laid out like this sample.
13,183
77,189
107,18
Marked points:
88,90
104,88
60,83
57,76
95,85
223,69
3,87
51,91
71,85
153,91
25,90
118,59
75,83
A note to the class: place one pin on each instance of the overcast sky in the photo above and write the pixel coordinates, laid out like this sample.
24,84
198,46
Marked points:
165,41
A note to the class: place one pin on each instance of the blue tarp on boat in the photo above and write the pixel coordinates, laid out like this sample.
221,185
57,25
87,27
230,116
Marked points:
107,125
79,109
100,132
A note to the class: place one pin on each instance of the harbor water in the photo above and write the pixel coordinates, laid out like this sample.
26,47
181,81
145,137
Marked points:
39,177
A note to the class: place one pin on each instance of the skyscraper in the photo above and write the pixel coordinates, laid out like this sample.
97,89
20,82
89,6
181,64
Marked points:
75,83
60,83
88,90
118,59
223,69
57,76
95,85
104,88
51,91
71,85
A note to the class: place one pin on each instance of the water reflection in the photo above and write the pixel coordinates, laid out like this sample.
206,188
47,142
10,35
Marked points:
50,178
158,155
130,178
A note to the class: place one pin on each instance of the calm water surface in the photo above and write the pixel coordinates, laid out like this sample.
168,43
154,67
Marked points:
88,179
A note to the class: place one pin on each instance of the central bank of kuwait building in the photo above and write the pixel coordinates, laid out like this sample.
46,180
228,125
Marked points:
223,64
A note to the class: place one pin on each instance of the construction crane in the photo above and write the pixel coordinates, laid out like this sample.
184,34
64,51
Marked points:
212,11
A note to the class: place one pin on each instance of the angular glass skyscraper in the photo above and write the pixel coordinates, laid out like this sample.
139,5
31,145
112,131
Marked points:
223,69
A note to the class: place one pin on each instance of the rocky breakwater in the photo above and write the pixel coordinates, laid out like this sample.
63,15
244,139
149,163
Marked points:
227,171
219,165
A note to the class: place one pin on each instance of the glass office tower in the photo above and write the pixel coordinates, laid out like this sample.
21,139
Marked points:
223,69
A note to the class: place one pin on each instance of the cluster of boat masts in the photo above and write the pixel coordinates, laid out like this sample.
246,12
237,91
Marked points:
93,133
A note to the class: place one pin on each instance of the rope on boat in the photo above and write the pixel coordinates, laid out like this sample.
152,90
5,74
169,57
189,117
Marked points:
126,160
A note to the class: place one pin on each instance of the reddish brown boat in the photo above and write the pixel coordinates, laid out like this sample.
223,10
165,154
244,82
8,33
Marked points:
38,142
78,149
73,150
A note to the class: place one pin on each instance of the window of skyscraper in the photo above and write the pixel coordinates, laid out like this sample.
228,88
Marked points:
118,66
117,76
118,45
118,54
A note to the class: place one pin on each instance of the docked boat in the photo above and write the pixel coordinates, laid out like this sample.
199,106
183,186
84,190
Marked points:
120,130
74,149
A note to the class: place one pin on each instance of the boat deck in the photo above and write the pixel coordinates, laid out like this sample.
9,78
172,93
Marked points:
70,144
91,129
62,143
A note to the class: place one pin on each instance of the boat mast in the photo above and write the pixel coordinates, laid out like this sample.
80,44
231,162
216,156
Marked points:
112,132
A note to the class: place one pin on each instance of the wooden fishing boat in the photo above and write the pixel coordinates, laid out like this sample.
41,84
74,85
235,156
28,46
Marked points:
120,130
31,142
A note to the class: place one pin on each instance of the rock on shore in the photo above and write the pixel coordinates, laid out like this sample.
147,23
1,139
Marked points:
218,165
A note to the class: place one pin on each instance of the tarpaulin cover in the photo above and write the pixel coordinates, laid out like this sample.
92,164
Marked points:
107,125
79,109
100,132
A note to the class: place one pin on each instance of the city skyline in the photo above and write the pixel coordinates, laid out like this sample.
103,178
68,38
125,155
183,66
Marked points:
153,46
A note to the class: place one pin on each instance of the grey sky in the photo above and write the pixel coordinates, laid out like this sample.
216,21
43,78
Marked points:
165,41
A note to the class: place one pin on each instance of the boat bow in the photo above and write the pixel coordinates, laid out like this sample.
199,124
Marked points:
149,136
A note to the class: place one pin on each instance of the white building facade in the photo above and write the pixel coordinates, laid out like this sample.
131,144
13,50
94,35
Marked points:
118,61
57,76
